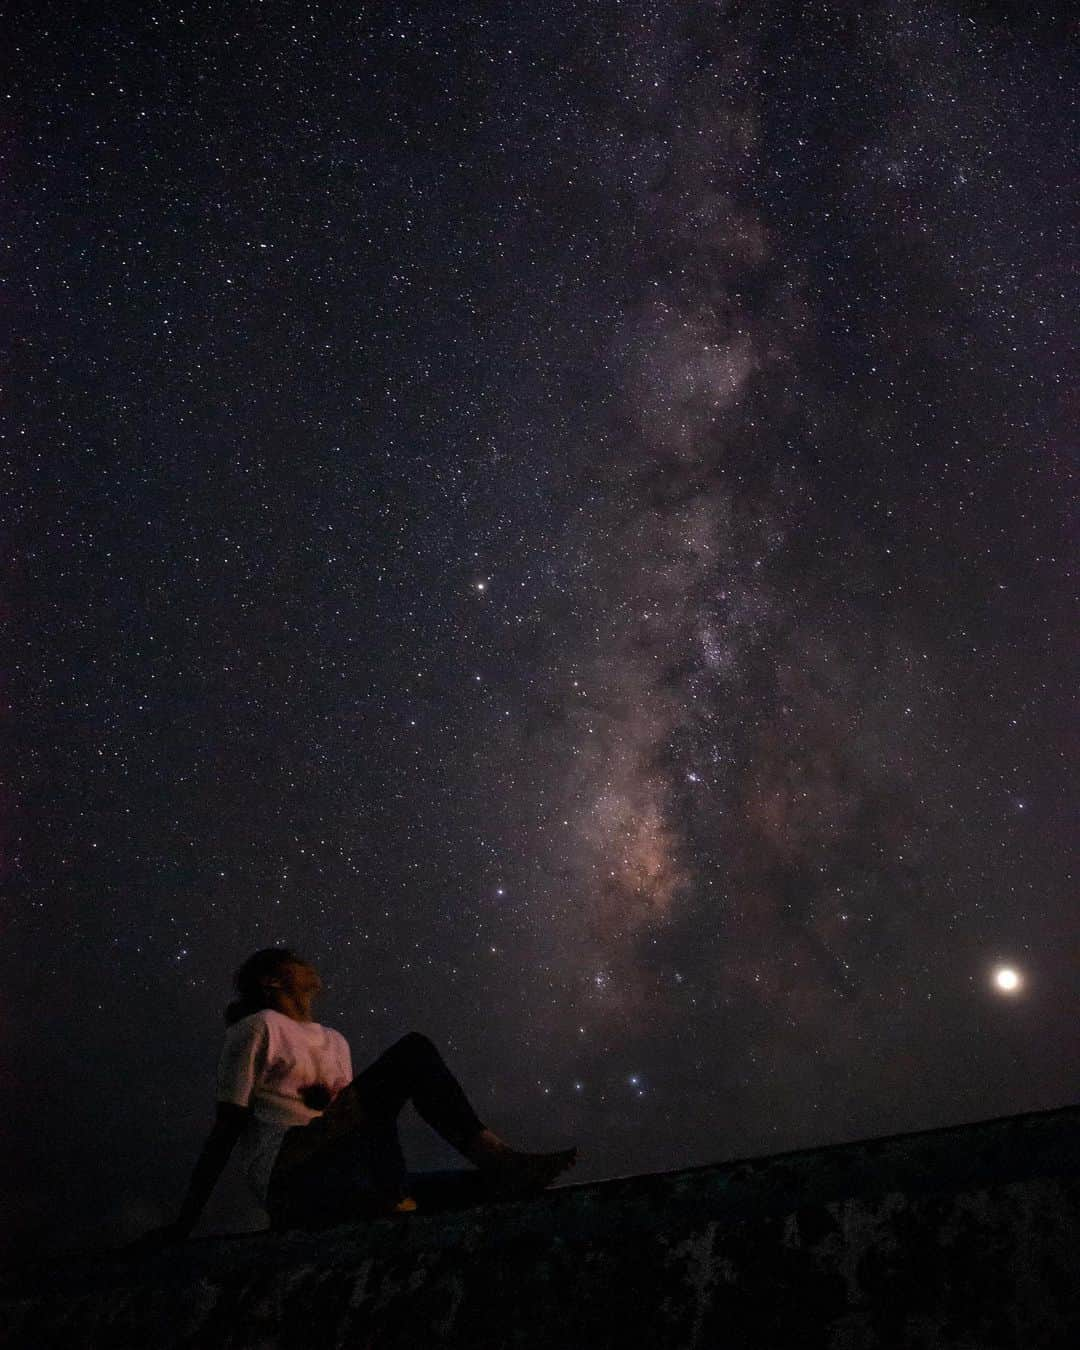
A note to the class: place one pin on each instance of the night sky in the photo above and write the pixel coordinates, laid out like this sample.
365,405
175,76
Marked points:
561,513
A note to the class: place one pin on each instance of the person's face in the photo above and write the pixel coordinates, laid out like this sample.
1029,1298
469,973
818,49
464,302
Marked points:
298,979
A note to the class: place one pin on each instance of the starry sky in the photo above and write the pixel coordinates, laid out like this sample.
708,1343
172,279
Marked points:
562,514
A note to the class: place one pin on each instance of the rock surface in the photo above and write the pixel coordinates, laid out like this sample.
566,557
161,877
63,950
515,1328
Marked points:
967,1238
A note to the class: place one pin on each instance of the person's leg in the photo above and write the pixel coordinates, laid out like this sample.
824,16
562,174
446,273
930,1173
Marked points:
359,1175
351,1153
413,1068
348,1162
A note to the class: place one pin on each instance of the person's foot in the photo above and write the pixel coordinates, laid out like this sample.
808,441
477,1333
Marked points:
510,1173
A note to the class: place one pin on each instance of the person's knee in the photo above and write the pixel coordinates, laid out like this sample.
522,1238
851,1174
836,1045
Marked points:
416,1040
417,1046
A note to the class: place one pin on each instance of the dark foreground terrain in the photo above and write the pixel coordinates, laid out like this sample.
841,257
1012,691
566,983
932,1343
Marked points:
967,1238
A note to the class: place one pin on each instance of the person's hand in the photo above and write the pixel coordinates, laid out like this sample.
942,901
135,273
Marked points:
316,1096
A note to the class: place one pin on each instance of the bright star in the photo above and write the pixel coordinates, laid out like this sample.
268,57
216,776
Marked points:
1007,979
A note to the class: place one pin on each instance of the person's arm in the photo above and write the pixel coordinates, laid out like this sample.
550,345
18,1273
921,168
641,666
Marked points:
240,1066
227,1128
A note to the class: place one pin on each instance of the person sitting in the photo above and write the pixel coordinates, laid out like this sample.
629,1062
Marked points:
320,1146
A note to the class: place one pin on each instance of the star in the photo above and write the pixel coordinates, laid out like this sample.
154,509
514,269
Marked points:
1007,979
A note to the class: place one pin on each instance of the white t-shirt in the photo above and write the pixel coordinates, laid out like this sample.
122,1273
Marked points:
266,1062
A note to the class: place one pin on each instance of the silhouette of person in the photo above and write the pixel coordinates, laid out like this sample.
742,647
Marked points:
320,1146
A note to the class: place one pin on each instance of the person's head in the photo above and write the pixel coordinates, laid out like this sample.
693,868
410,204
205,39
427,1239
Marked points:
270,978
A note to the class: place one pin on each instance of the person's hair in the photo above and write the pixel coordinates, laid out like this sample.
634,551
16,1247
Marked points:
250,981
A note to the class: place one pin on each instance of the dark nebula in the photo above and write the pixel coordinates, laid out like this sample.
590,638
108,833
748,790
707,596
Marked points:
561,514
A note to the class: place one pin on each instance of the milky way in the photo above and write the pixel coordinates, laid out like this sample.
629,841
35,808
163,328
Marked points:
564,519
772,799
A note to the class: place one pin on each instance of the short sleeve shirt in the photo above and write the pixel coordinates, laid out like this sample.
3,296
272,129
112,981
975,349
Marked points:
267,1061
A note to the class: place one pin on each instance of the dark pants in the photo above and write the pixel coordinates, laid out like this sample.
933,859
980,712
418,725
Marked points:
363,1174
